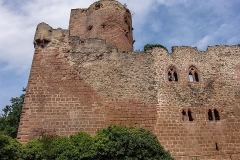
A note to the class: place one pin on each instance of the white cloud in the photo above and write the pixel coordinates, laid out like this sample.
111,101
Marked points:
13,39
140,9
223,32
17,30
204,42
171,2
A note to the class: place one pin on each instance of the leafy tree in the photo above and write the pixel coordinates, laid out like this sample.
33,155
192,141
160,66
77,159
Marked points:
10,118
151,46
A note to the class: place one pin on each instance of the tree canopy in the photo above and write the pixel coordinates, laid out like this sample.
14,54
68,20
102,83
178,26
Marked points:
10,117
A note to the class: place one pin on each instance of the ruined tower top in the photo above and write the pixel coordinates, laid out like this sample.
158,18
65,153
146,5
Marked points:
105,19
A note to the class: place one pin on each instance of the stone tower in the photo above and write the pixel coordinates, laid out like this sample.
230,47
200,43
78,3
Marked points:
105,19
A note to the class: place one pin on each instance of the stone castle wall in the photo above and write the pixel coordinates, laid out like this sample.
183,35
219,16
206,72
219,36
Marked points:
217,89
86,83
72,86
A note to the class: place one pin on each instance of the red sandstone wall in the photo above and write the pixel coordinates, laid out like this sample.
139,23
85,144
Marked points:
66,94
72,91
58,100
63,98
218,88
108,20
78,22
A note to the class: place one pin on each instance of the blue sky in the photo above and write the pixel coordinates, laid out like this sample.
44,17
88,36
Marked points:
168,22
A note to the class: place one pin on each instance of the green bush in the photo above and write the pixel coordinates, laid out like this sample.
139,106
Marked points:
151,46
83,142
62,148
34,150
117,142
9,148
46,142
50,147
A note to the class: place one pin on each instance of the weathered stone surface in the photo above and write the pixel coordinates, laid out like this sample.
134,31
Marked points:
107,20
45,34
217,88
81,81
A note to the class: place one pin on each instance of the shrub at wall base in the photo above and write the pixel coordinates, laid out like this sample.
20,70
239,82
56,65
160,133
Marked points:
115,143
10,149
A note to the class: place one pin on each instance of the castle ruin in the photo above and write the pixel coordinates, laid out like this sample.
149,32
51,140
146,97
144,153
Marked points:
88,77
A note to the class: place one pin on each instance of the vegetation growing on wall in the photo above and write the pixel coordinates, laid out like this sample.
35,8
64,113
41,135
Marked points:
115,142
151,46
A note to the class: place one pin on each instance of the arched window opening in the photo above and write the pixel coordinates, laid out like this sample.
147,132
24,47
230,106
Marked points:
172,74
193,75
210,116
190,115
216,114
184,114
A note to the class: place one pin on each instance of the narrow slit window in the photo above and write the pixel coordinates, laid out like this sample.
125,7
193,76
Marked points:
210,116
184,114
216,146
172,74
196,77
175,76
216,114
190,115
193,75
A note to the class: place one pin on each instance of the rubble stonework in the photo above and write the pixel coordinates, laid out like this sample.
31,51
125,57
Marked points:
87,77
